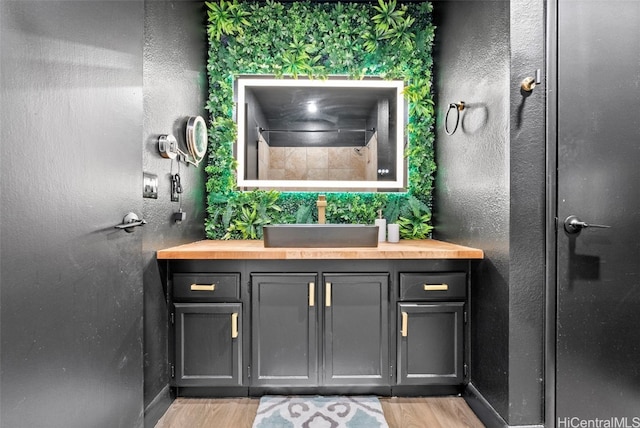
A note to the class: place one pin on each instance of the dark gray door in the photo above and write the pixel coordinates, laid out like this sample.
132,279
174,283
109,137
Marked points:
284,330
598,269
356,329
71,153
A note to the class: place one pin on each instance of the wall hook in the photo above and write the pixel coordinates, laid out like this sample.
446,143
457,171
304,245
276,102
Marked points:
458,107
529,83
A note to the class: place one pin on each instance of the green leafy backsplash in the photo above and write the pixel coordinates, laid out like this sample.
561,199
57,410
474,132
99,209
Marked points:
316,40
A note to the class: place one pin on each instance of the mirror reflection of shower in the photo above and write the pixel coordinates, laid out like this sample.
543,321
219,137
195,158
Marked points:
331,134
319,163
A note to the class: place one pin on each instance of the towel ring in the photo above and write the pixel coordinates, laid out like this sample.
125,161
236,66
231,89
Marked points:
458,107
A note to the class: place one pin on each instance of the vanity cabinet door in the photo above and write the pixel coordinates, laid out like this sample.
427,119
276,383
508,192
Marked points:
356,332
208,344
430,343
284,330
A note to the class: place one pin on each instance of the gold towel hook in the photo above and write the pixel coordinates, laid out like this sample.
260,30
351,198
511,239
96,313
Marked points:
529,83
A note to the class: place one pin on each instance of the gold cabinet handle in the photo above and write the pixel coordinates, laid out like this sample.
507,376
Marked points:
405,324
327,301
312,294
234,325
203,287
436,287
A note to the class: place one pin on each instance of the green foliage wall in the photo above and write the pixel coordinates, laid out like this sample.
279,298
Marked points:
315,40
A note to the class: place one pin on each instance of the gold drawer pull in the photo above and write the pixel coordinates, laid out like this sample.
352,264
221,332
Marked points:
234,325
203,287
327,296
405,324
436,287
312,294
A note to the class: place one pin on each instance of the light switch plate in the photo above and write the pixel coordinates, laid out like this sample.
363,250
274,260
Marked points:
149,186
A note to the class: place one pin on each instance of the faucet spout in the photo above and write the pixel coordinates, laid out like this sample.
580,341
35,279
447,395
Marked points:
321,203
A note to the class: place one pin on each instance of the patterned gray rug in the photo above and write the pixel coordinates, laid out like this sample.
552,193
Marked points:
319,412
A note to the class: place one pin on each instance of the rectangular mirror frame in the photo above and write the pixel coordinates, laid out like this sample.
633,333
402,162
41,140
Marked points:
399,183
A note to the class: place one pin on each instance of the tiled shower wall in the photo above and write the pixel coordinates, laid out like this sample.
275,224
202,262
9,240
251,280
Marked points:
318,163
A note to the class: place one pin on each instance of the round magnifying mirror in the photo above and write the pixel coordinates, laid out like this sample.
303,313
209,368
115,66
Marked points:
197,137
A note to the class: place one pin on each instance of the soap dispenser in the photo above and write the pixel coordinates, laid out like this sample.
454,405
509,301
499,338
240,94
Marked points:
382,227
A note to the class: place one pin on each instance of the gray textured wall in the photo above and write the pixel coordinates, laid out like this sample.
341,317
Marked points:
175,87
471,202
527,216
490,189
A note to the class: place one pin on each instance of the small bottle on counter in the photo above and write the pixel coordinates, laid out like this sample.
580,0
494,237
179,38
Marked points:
382,227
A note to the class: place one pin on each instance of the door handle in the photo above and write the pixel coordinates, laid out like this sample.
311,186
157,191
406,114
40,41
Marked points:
573,225
130,221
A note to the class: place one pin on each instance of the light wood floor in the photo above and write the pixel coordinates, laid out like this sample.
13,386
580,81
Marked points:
400,412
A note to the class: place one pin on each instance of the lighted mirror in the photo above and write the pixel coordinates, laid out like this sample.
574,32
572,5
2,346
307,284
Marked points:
300,134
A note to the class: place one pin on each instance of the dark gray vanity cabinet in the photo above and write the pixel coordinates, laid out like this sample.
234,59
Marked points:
356,329
249,320
349,312
284,330
431,318
207,320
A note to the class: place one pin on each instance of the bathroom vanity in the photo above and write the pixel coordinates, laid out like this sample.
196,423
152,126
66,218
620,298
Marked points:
250,320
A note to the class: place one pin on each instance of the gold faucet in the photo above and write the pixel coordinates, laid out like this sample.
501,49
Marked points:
321,203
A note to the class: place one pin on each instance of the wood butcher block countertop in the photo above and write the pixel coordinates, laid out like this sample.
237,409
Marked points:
255,250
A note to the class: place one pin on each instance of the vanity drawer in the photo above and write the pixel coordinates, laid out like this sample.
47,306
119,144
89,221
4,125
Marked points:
206,286
433,286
